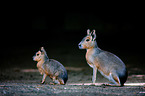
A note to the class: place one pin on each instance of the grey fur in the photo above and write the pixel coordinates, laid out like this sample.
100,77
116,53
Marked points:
56,69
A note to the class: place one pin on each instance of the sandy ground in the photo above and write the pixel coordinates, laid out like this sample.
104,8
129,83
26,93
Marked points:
19,76
27,82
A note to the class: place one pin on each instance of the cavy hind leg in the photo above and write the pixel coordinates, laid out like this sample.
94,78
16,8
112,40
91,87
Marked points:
114,79
61,81
55,81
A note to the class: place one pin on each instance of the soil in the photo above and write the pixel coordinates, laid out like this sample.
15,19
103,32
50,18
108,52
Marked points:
19,76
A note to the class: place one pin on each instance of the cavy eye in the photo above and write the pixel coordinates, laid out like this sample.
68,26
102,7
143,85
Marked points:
87,40
37,54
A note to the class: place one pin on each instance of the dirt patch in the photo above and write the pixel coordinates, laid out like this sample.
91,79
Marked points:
27,82
19,76
30,88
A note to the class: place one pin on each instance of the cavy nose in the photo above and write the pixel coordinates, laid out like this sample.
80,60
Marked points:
79,45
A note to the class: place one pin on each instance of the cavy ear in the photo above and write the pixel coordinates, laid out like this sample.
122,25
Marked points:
42,48
88,32
43,51
93,35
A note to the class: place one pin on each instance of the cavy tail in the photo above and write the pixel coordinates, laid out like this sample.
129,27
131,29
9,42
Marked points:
123,77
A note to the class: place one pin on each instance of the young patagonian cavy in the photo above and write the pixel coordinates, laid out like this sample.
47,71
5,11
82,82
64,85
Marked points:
50,67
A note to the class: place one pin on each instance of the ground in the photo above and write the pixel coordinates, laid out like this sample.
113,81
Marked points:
19,75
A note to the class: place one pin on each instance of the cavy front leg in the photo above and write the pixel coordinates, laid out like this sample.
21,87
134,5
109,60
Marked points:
94,74
43,79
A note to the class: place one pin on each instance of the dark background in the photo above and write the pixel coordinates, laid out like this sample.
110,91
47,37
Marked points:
119,31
